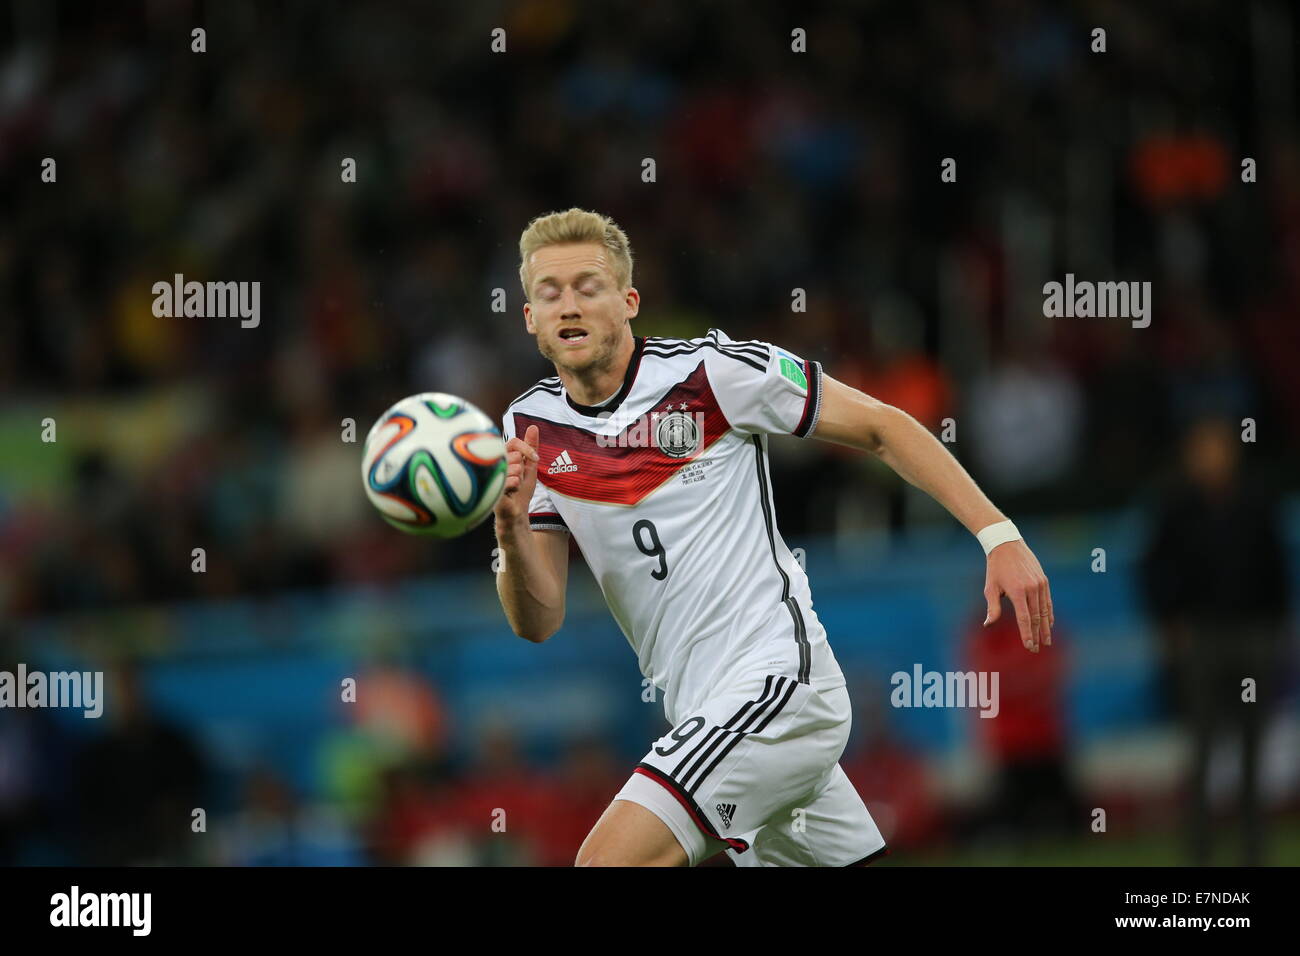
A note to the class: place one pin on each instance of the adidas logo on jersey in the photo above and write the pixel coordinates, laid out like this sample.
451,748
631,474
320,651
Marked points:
725,810
562,464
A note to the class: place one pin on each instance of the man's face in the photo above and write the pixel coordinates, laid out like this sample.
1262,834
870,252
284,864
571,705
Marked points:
575,308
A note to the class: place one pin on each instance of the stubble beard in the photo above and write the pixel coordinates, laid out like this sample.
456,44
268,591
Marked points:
601,359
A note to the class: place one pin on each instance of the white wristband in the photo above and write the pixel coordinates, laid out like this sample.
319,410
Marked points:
995,534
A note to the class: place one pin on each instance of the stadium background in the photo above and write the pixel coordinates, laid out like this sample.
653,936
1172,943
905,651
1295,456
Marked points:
775,170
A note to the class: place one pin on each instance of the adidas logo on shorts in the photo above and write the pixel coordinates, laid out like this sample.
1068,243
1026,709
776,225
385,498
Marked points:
725,810
562,464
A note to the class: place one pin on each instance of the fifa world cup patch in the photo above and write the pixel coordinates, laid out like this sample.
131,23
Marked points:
792,370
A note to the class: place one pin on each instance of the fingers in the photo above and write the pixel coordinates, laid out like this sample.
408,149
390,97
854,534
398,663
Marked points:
1023,620
1035,617
993,598
519,456
1014,571
521,460
521,447
1049,616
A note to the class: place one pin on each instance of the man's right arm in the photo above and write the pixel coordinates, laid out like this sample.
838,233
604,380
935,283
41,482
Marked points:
535,564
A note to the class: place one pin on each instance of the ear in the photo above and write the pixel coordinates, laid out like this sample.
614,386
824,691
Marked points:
632,299
528,319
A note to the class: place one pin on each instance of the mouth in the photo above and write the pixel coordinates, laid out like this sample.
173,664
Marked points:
572,335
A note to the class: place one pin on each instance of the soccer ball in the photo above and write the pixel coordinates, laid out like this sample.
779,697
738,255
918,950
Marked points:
434,464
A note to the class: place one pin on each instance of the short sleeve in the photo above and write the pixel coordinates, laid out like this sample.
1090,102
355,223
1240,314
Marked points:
542,515
763,388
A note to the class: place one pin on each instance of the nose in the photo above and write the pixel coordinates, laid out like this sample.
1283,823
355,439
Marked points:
569,304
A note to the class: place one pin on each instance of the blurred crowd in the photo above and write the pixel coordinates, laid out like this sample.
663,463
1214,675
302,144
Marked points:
775,171
147,791
392,791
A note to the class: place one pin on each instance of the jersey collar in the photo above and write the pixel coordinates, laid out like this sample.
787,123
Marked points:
628,377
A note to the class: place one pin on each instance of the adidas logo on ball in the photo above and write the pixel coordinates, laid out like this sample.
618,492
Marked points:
562,464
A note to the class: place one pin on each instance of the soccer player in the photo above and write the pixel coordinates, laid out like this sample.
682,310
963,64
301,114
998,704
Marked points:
651,453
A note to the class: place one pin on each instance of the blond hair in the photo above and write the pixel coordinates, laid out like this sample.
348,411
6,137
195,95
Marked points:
577,225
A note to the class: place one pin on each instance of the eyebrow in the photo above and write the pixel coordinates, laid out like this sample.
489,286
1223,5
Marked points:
584,274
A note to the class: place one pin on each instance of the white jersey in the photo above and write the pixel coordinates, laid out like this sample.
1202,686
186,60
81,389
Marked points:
665,489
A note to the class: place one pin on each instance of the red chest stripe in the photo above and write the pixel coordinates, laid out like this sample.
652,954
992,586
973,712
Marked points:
572,461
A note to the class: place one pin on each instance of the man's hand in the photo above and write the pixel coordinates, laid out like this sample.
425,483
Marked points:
521,479
535,564
848,417
1014,571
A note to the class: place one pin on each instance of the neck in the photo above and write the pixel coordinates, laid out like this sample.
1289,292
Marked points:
594,384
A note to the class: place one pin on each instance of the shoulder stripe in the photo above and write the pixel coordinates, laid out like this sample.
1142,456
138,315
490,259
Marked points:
550,386
752,363
551,421
750,348
748,345
686,350
755,348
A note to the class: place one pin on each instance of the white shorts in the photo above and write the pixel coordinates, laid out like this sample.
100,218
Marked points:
755,771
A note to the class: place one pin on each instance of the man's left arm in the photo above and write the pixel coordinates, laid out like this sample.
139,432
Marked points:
849,417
